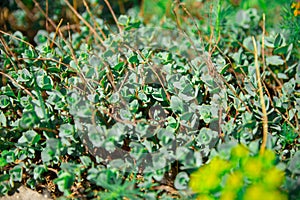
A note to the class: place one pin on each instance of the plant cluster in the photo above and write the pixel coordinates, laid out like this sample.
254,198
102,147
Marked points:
135,110
241,177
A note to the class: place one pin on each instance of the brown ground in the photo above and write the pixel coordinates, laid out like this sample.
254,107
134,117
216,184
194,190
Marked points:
24,193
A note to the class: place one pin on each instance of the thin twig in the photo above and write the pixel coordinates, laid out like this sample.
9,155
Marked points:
118,119
123,82
211,68
152,69
296,129
93,19
14,37
53,170
233,71
56,31
15,82
47,12
69,27
79,72
113,14
275,77
288,121
46,129
85,22
26,10
189,14
9,53
268,94
48,59
262,101
263,43
75,7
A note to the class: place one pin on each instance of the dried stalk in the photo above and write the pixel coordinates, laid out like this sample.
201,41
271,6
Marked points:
56,31
113,14
93,19
85,22
262,101
20,86
263,43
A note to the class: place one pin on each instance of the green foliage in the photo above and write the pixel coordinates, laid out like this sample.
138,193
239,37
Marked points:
291,22
131,114
156,8
242,176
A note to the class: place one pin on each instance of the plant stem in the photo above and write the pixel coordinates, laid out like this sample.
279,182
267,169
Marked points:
113,14
263,42
85,22
262,101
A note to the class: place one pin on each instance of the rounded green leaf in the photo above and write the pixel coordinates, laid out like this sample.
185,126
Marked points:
4,101
181,181
176,104
274,60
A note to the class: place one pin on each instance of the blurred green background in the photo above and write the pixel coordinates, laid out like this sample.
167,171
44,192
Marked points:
26,15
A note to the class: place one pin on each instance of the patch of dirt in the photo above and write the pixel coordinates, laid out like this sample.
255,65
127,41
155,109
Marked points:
24,193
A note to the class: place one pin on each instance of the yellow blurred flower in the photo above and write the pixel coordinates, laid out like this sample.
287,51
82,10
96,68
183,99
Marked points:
240,151
253,168
205,197
228,195
234,181
296,6
243,176
204,182
273,178
268,158
258,192
219,166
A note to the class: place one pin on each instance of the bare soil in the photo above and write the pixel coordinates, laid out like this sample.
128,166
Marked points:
24,193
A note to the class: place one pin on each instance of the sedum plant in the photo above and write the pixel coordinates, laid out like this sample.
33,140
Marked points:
128,111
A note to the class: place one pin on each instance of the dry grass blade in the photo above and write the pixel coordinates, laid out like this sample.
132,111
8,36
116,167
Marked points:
45,14
20,86
262,101
152,69
8,52
263,42
85,22
31,16
113,14
14,37
56,31
64,39
93,19
219,79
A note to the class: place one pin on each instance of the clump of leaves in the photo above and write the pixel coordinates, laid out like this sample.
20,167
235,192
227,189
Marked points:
88,110
291,21
242,176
